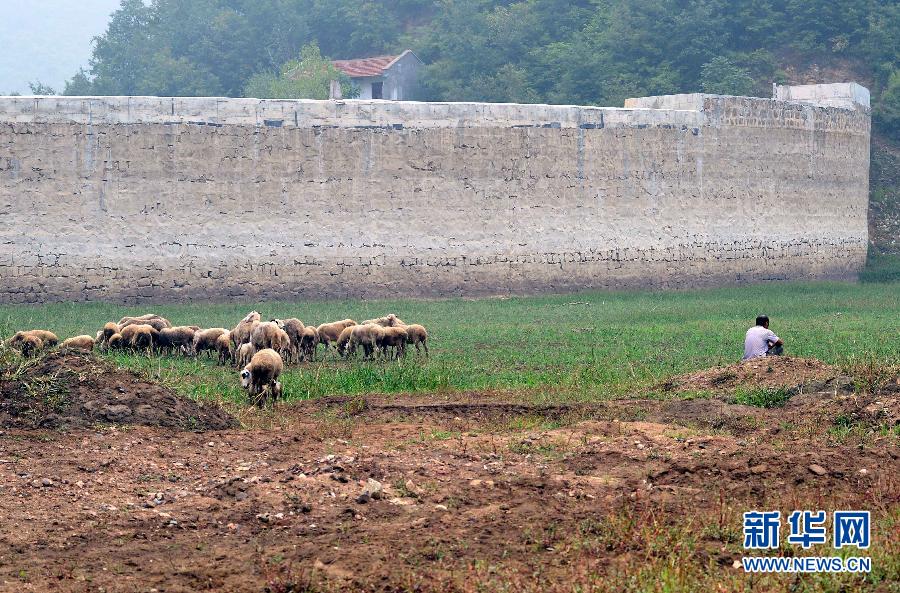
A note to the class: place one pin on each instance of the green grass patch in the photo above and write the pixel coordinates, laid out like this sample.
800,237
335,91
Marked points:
881,268
588,346
761,397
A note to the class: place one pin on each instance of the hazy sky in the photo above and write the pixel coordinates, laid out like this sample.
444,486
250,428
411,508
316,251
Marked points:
47,40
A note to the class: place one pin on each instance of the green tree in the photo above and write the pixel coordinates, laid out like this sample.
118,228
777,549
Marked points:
721,76
308,77
39,88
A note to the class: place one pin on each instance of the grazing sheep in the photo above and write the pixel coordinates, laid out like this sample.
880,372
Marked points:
106,333
294,329
330,332
47,338
155,321
139,337
269,335
205,340
245,354
389,320
79,343
115,342
241,332
416,334
367,336
308,342
343,341
393,337
180,338
223,347
30,345
263,371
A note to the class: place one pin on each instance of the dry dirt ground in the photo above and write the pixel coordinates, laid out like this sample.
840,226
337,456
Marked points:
481,492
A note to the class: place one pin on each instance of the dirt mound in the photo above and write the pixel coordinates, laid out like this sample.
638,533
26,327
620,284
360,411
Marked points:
71,390
772,372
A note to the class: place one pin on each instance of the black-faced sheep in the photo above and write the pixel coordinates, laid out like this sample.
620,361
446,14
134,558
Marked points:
116,342
78,343
244,354
224,348
30,345
330,332
205,340
180,339
106,333
308,342
367,336
389,320
393,337
241,332
269,335
261,374
416,334
139,337
343,342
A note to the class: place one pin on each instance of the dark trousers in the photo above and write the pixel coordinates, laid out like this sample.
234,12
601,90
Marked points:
775,350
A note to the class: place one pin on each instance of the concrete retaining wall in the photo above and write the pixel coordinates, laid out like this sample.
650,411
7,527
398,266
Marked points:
162,199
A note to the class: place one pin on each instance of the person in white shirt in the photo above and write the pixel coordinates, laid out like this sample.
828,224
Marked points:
761,341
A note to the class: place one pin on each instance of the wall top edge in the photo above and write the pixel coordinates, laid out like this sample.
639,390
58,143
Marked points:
687,110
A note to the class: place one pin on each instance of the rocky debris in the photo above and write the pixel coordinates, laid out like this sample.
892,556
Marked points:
373,490
818,469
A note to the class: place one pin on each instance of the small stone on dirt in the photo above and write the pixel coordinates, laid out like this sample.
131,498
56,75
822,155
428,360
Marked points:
818,469
759,469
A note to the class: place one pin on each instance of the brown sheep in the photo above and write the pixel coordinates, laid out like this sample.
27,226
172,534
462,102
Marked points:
343,341
30,345
263,371
389,320
223,347
155,321
106,333
116,342
308,342
367,336
294,329
244,354
416,334
205,340
241,332
393,337
180,338
139,336
79,343
330,332
47,338
269,335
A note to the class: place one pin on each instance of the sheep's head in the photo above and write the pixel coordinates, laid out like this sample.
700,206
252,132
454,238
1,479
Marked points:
278,322
251,316
245,379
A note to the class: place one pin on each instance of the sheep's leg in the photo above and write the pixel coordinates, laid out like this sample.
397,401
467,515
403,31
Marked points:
425,345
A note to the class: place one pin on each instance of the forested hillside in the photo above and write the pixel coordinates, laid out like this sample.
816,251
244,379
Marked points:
556,51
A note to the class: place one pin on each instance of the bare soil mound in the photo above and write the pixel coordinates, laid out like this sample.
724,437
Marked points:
770,372
72,390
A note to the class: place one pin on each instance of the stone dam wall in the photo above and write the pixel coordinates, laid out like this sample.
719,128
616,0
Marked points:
149,199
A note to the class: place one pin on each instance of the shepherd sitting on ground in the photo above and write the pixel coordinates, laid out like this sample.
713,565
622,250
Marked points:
761,341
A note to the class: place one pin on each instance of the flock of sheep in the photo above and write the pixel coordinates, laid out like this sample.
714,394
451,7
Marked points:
259,348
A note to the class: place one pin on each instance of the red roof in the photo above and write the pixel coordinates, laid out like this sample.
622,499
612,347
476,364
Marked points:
364,66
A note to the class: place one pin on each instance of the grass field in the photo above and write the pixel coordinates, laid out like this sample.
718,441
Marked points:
591,345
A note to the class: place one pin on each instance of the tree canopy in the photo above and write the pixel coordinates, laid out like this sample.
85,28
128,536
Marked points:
557,51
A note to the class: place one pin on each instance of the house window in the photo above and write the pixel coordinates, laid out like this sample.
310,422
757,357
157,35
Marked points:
377,90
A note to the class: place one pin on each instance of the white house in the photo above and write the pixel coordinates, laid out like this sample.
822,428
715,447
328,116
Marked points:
384,77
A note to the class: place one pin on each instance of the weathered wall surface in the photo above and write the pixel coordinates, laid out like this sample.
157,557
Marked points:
159,199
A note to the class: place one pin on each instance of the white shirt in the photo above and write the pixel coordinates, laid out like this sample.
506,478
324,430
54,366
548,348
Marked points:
757,342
